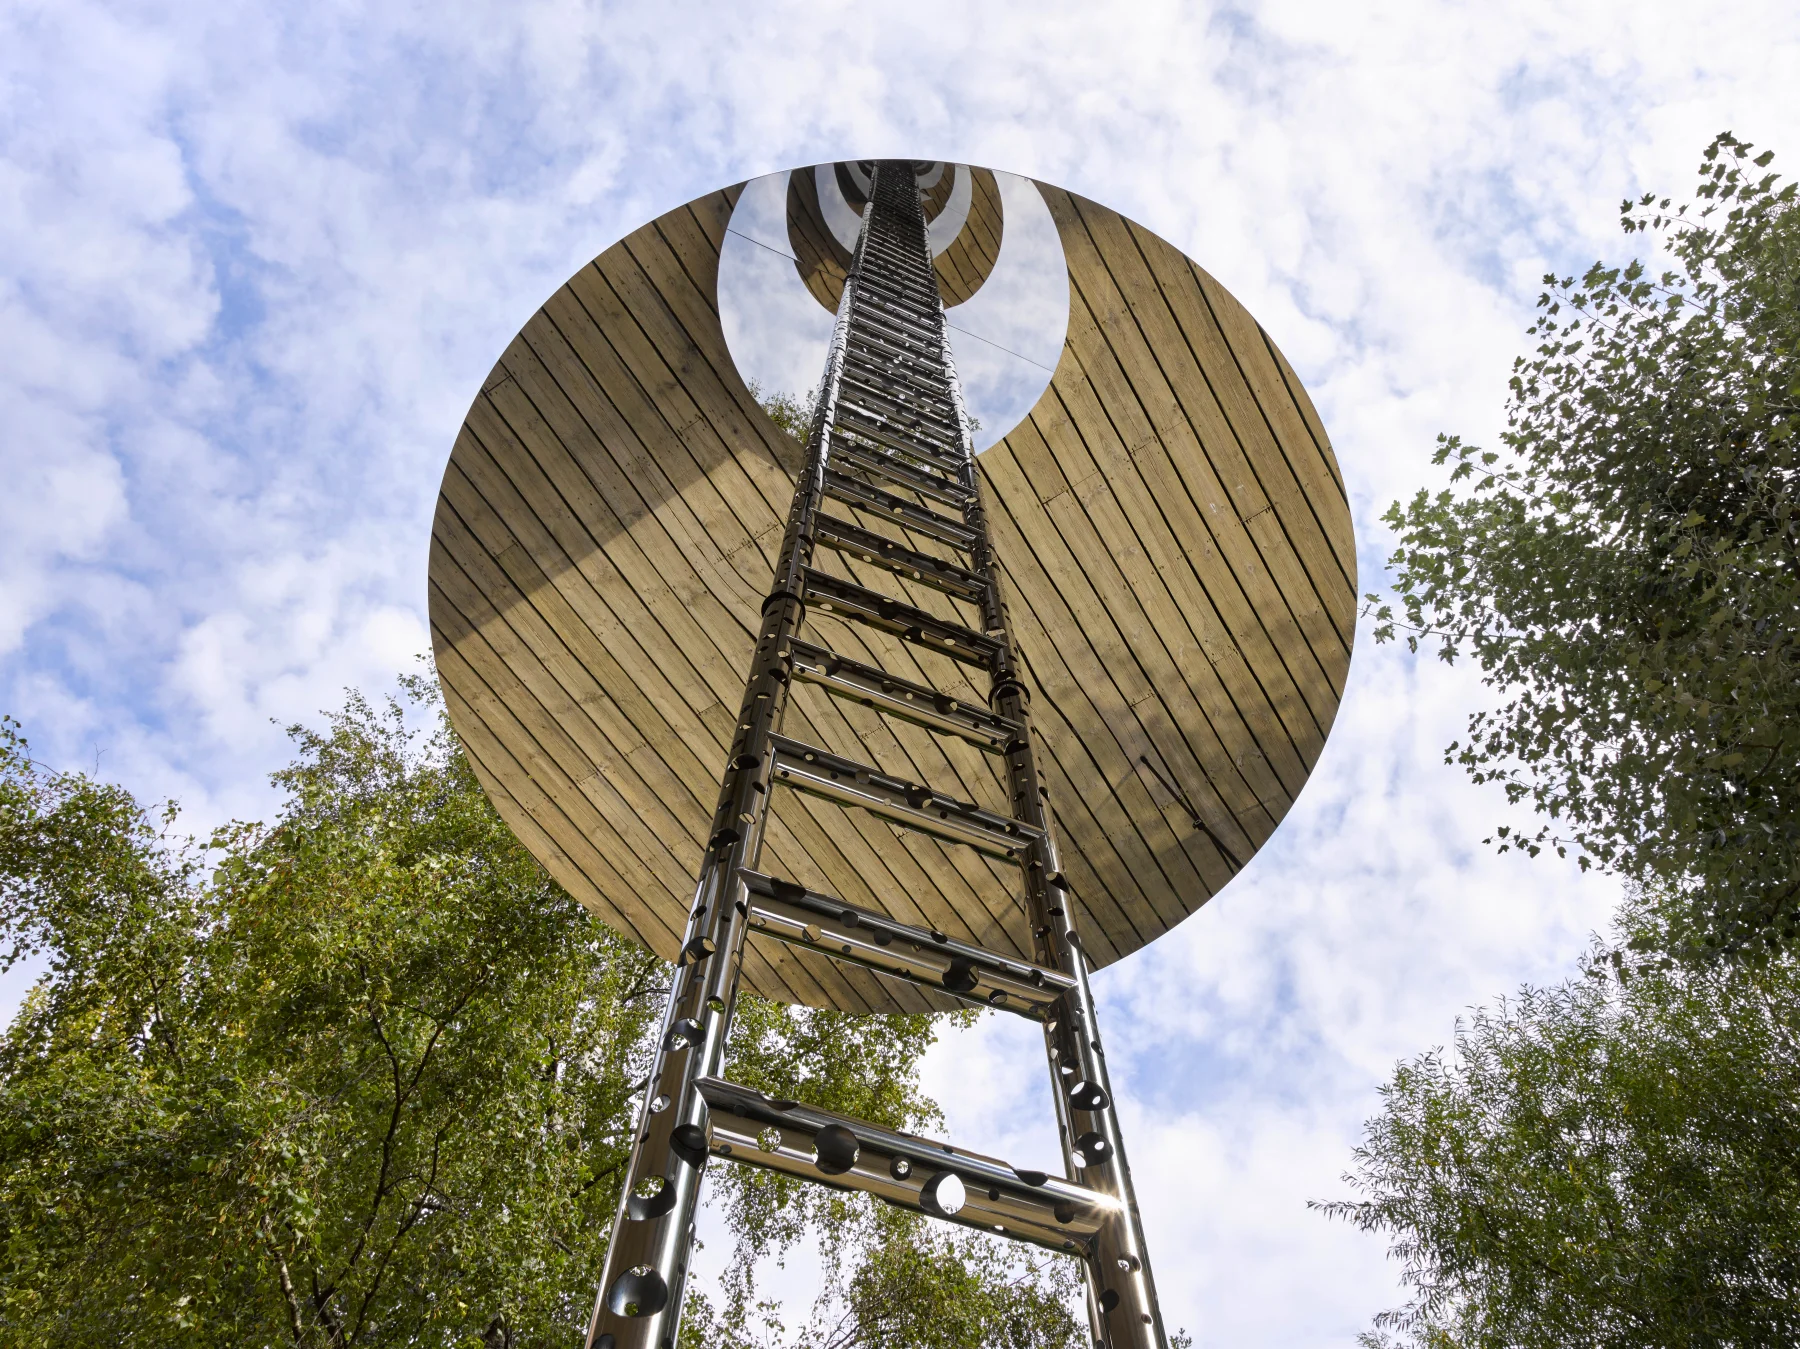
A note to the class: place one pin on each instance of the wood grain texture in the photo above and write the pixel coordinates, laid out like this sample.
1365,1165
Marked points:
1174,538
823,262
967,262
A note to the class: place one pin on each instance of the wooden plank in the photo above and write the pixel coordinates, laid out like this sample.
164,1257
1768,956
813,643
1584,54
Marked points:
1067,670
1205,449
1221,340
938,196
494,767
1160,503
1200,349
1159,639
626,724
689,657
534,776
606,644
648,396
678,532
648,459
681,324
966,264
630,316
1067,622
1292,422
1185,484
1303,401
478,588
500,686
1202,366
554,678
679,760
695,235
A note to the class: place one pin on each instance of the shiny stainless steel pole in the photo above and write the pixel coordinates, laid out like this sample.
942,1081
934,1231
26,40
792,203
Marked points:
1122,1305
639,1304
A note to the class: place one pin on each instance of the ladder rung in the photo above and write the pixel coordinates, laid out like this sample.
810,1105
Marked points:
925,483
908,514
873,687
877,357
883,370
902,275
904,1169
878,550
913,295
877,312
854,414
850,600
915,289
863,344
808,919
809,769
908,394
890,446
897,382
937,410
901,256
915,323
882,344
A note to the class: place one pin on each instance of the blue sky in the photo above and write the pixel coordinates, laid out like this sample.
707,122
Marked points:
257,258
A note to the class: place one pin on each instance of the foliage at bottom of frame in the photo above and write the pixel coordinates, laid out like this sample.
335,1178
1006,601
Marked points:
365,1075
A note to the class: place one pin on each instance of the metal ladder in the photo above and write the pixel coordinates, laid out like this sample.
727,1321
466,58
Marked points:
889,436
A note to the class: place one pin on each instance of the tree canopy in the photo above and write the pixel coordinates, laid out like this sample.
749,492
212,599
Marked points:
1613,1162
366,1076
1625,567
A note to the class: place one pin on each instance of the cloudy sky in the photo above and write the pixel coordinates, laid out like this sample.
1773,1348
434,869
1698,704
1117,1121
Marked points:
256,260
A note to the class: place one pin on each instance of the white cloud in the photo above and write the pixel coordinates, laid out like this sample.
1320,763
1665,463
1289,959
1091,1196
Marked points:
254,262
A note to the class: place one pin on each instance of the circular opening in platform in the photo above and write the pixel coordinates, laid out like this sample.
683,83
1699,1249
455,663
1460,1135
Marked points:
1006,338
776,331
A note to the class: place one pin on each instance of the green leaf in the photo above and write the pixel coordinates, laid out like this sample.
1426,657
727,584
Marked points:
1621,569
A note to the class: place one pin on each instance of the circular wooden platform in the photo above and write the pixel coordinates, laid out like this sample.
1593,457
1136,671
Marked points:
1173,531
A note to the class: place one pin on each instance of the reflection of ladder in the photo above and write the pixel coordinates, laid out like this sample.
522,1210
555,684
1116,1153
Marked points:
889,439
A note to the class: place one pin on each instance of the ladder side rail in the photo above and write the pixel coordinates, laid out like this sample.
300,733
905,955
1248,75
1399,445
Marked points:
1122,1305
638,1305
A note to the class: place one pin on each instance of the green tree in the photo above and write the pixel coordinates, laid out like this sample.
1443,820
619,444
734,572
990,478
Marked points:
1625,568
794,415
1612,1162
357,1078
892,1278
361,1077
